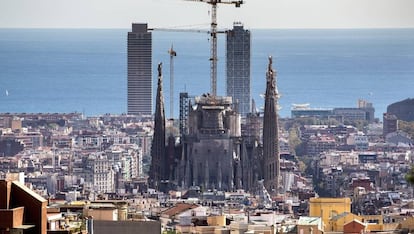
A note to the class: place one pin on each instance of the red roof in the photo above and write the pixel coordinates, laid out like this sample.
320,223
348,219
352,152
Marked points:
179,208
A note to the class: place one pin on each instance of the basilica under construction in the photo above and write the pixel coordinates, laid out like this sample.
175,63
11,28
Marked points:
216,148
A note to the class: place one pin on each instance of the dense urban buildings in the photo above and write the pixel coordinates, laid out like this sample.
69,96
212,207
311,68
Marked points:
139,70
238,54
215,170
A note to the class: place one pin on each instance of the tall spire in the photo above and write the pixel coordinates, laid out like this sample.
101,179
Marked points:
158,167
271,157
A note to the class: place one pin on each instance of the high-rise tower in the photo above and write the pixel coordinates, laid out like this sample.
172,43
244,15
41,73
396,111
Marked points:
139,70
271,158
238,67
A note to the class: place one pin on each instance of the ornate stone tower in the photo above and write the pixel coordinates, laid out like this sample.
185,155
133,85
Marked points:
158,167
271,157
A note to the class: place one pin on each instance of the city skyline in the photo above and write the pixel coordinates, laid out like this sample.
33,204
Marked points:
167,13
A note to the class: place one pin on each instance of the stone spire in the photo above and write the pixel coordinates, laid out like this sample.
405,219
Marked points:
271,157
158,167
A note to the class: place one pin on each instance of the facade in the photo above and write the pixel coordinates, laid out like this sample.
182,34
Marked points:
216,150
354,226
369,109
139,70
319,144
359,141
102,174
342,222
212,148
98,172
252,163
30,140
185,103
364,111
238,67
304,110
350,114
327,208
310,225
390,123
127,160
126,227
271,154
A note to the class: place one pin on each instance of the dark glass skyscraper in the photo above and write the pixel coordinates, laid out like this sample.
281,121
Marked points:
238,67
139,70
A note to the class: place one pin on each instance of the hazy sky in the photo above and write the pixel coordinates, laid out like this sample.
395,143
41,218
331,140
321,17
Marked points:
171,13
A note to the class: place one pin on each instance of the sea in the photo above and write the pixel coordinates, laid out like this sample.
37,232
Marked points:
85,70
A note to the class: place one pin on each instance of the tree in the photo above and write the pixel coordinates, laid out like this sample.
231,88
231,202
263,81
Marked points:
294,139
409,177
407,127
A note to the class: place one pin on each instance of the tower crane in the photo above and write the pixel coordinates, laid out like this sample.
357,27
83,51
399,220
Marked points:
172,54
213,36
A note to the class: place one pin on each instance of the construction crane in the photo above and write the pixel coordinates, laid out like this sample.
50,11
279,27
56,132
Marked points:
213,36
172,54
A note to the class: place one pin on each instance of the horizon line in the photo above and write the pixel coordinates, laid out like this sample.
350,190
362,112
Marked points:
253,28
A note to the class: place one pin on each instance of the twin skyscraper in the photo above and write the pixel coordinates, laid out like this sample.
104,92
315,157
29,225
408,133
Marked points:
139,70
238,54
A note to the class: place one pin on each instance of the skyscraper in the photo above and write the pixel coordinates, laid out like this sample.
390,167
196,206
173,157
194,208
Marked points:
238,67
271,155
139,70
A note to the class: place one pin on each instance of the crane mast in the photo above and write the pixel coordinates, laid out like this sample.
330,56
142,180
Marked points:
213,57
213,41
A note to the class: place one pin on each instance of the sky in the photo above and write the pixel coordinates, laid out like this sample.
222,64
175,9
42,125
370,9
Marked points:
186,14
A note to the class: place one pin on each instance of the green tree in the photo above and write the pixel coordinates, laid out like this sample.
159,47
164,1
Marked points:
302,166
409,177
407,127
294,139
